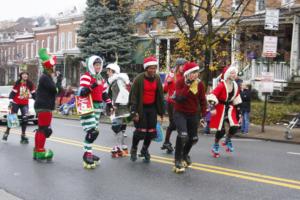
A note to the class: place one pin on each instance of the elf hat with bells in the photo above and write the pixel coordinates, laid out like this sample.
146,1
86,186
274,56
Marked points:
48,61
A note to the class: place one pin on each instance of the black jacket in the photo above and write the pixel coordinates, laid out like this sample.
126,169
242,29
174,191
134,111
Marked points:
46,93
246,98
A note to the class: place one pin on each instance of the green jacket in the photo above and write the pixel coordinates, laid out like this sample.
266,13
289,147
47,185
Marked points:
136,95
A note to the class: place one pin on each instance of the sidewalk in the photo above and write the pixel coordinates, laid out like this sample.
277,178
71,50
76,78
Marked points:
272,133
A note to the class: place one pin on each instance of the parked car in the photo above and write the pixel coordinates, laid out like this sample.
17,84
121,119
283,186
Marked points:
4,102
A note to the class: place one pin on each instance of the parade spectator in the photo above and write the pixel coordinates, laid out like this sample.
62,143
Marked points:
65,95
146,102
67,107
245,107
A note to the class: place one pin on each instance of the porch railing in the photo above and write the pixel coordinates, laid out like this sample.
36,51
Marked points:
281,71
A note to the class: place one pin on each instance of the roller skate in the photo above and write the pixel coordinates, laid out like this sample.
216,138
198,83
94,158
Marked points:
178,168
168,147
216,150
145,153
133,156
43,155
88,161
228,145
124,150
5,136
187,162
24,139
114,152
96,159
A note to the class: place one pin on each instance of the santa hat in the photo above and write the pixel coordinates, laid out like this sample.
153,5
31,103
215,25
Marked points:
47,61
190,67
149,61
227,70
114,66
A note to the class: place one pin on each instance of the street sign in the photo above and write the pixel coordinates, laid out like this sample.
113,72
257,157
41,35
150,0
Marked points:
272,19
266,84
270,47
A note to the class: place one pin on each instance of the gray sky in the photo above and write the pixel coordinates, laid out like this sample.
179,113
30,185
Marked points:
13,9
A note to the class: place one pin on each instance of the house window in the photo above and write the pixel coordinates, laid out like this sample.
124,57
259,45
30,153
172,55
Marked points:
260,5
70,35
54,43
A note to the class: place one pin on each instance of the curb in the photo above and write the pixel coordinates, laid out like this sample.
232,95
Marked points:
238,136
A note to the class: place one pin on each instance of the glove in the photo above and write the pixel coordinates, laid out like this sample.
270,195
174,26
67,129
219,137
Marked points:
94,85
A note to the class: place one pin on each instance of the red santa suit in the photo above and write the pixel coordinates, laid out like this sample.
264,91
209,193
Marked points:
220,96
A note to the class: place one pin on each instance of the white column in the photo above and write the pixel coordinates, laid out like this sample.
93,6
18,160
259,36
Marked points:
168,55
157,42
294,69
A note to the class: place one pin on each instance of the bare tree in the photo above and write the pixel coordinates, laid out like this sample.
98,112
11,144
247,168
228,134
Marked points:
195,21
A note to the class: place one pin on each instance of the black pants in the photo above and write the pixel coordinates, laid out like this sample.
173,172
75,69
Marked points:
24,118
187,127
220,134
172,125
145,127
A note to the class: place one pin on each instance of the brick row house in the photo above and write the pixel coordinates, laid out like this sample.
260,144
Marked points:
20,52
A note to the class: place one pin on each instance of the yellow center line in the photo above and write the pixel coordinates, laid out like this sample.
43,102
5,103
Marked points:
256,177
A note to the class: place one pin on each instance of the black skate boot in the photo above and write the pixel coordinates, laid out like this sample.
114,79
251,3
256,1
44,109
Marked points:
88,161
96,159
24,139
167,146
178,168
145,153
186,161
133,156
5,136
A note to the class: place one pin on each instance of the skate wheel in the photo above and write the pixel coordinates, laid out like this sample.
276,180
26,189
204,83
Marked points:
169,151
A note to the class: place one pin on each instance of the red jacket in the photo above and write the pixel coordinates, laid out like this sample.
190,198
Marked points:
169,86
220,95
188,102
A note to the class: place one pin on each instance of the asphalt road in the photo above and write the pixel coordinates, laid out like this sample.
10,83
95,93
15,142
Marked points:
256,170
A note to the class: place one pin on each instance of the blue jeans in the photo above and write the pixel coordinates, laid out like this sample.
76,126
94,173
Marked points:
245,122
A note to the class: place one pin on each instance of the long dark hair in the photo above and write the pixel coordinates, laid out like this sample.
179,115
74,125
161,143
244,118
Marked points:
28,82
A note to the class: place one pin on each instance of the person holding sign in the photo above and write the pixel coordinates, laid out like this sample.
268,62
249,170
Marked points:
92,92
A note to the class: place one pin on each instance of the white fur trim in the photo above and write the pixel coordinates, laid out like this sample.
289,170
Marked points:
190,70
230,69
237,100
150,64
212,97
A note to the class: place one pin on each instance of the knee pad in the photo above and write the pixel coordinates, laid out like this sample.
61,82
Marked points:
183,136
91,135
116,128
194,140
46,130
24,119
139,135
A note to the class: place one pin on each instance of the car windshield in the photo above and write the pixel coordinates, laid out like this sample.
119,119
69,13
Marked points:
5,90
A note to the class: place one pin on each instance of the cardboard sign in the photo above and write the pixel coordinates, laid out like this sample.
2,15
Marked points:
267,85
84,105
